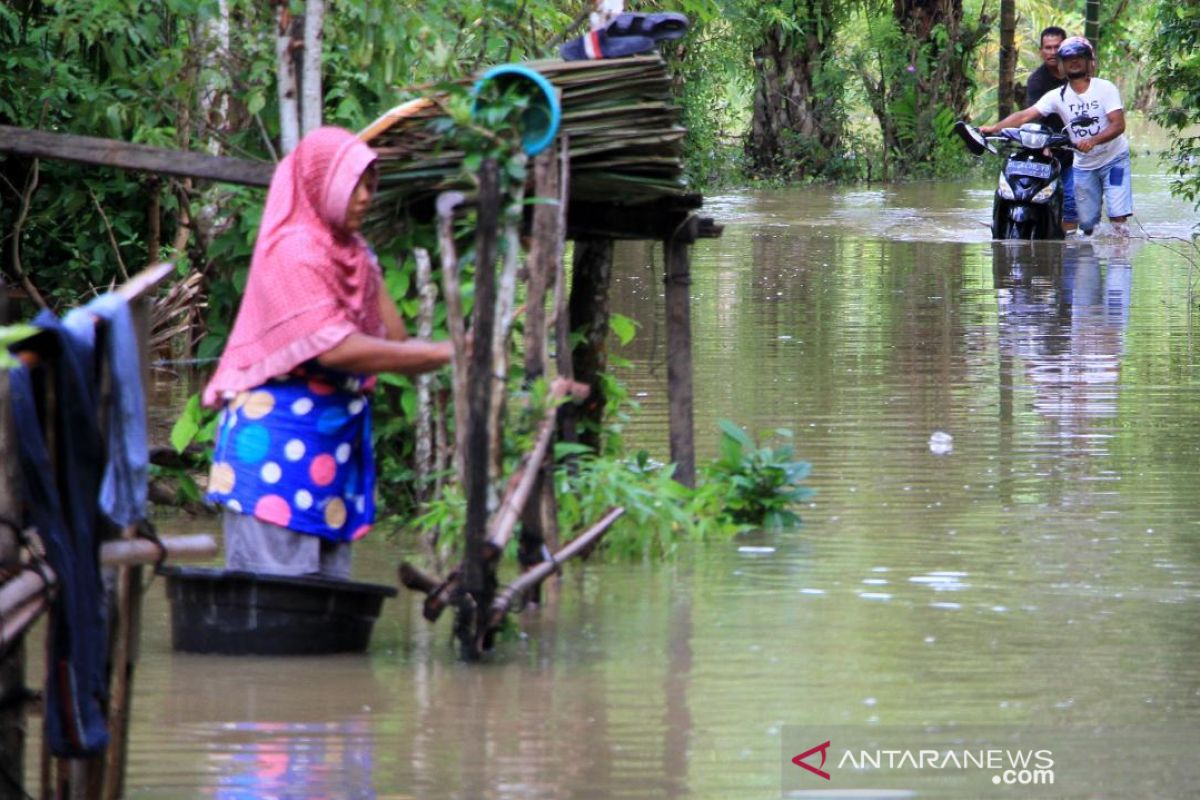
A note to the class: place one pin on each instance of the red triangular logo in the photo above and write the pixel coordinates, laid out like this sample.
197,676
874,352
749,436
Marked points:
799,760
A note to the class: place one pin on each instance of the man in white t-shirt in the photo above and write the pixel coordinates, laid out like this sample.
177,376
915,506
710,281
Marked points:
1095,120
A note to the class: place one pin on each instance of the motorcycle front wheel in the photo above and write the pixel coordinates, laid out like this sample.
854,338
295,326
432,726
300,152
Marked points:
1018,230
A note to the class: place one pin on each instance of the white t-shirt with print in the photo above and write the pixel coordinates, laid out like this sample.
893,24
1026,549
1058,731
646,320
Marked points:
1086,115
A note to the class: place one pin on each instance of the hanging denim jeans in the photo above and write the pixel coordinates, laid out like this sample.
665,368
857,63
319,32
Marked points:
63,508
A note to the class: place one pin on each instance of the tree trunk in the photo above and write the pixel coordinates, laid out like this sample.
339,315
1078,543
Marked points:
285,65
1091,25
1008,57
919,105
478,580
794,127
312,100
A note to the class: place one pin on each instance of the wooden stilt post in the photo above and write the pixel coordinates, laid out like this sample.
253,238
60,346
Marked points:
679,357
478,579
539,523
589,308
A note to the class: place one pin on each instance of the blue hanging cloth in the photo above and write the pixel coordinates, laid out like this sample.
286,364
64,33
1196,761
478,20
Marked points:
123,492
64,511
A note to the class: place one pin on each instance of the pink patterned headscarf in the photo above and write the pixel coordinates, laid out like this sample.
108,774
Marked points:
312,283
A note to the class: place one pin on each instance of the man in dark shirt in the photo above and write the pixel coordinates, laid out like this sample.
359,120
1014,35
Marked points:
1049,76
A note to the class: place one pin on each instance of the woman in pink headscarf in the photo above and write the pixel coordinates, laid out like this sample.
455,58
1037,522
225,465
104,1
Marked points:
292,464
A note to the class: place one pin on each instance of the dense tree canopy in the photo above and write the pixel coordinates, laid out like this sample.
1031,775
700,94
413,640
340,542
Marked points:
797,89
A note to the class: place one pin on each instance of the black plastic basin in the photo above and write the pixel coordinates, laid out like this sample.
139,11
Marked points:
245,613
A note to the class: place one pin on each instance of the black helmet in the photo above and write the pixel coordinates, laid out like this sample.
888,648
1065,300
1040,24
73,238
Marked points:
1075,47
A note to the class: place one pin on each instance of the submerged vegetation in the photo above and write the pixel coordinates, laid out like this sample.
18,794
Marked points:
747,487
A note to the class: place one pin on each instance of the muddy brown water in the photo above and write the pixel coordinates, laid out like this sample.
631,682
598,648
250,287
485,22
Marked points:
1006,534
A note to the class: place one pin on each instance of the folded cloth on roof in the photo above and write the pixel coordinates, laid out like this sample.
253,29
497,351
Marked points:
60,501
127,470
659,26
598,44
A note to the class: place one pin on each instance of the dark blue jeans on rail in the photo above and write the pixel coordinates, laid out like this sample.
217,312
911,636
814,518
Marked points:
60,501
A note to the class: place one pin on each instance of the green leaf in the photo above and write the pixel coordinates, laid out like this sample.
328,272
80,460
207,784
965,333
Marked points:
734,432
564,449
624,327
187,426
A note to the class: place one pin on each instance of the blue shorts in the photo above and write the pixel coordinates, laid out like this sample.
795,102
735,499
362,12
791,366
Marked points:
1112,182
1068,184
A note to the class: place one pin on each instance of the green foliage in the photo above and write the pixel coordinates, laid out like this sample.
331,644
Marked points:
760,484
196,426
11,334
716,74
1175,50
916,87
748,486
659,513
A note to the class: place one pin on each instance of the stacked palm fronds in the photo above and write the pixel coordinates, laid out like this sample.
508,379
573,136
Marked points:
619,116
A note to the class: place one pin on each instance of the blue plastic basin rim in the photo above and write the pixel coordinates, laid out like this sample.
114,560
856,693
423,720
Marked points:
532,146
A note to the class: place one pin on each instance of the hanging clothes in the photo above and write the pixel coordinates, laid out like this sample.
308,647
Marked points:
64,511
123,488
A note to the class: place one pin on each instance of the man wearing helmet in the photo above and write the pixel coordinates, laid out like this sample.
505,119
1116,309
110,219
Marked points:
1096,124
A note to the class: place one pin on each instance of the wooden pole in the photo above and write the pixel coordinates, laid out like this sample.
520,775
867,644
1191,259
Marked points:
506,293
560,320
12,657
539,523
123,155
582,543
447,204
474,595
424,447
127,625
523,479
679,359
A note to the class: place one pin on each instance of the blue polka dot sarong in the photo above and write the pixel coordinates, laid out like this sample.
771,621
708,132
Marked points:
296,452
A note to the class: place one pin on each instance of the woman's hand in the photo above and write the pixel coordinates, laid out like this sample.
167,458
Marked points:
372,354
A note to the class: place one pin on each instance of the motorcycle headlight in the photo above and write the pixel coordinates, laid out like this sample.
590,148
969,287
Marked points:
1034,138
1004,189
1045,194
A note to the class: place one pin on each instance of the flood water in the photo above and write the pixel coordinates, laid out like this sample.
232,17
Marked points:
1038,580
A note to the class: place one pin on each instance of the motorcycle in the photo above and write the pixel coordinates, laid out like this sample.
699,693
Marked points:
1029,194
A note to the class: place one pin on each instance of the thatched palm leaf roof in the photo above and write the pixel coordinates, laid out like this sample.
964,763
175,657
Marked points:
619,115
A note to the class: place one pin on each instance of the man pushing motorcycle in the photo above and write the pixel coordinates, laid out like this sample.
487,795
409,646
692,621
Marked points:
1095,119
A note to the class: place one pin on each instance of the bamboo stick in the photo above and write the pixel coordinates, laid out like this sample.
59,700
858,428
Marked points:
446,205
127,552
506,293
14,623
424,444
559,318
25,586
577,546
539,516
30,583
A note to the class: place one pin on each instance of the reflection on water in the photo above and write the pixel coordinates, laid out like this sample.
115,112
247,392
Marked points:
1044,573
1062,316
